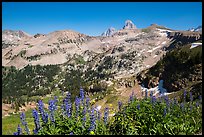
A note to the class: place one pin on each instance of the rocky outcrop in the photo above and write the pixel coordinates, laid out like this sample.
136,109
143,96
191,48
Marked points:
12,38
198,29
180,38
129,25
109,32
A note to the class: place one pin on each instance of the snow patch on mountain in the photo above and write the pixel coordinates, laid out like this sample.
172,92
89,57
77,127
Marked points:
158,90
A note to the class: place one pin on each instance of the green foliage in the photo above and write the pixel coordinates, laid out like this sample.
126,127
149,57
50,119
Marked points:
80,60
30,81
150,119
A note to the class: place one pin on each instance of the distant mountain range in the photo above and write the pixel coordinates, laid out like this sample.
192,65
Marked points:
198,29
145,46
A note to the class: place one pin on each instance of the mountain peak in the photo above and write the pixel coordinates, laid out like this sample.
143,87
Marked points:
129,25
109,32
198,29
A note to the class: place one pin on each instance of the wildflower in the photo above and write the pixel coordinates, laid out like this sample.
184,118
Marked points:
69,109
106,115
191,96
182,106
92,119
138,106
119,105
153,100
91,132
81,94
164,111
19,131
42,112
55,99
35,131
197,104
98,115
77,103
23,121
167,101
131,97
84,120
52,108
184,95
71,133
200,98
36,120
175,101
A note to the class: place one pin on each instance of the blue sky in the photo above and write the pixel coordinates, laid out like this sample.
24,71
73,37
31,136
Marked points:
93,18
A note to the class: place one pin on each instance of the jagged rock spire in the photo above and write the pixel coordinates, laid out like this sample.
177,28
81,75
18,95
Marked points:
129,25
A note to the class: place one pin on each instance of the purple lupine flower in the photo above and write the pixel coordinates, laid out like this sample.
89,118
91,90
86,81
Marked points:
68,106
200,98
77,105
42,112
182,106
23,121
82,93
71,133
84,117
84,120
35,131
52,108
138,106
36,120
175,101
55,101
164,112
119,105
99,115
191,96
131,97
197,104
92,119
19,130
106,112
22,117
184,94
82,96
167,101
153,100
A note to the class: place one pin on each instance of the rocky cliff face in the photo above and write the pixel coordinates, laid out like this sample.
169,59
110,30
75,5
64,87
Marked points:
13,38
183,37
129,25
109,32
198,29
